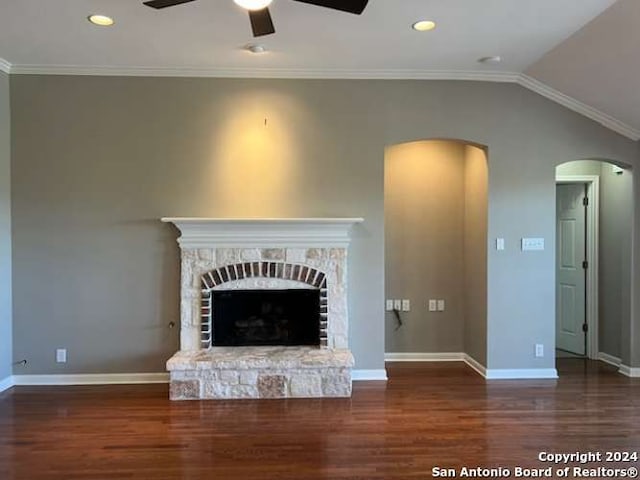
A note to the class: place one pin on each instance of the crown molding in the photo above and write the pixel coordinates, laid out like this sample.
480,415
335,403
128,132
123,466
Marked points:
579,107
523,80
5,66
283,73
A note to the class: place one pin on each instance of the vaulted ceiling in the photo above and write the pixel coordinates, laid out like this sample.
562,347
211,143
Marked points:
583,49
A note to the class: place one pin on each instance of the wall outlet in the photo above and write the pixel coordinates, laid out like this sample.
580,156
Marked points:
61,355
539,350
433,305
389,305
441,305
397,305
406,306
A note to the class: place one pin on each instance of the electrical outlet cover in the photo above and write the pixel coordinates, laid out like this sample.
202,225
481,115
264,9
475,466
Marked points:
61,355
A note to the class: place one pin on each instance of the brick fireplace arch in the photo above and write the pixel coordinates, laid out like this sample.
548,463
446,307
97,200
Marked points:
221,277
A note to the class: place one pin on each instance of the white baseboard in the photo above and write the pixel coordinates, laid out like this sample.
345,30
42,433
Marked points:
132,378
91,379
629,371
521,373
6,383
436,357
476,365
424,357
361,375
610,359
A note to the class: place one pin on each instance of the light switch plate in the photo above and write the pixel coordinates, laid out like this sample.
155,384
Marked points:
499,243
389,305
397,305
532,244
441,305
406,306
433,306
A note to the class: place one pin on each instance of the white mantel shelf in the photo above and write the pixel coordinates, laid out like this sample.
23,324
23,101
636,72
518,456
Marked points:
263,232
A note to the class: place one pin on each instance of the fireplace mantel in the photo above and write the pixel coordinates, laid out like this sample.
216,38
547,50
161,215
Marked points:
263,232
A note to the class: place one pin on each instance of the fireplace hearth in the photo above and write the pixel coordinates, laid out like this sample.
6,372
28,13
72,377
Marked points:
263,309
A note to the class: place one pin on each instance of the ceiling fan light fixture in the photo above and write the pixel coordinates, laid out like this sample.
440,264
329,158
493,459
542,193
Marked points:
253,4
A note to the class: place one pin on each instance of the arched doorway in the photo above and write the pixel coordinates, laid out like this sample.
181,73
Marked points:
594,218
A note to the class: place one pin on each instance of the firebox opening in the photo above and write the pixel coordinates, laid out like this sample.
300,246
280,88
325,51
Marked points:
266,317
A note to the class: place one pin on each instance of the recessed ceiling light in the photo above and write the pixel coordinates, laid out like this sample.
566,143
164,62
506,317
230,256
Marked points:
424,25
492,59
253,4
255,48
101,20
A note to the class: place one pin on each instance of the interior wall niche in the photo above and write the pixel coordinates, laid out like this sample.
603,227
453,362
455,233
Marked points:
436,246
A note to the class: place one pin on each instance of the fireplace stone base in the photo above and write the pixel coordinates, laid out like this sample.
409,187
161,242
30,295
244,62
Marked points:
260,372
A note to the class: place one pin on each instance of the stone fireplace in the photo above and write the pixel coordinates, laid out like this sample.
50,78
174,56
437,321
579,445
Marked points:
263,309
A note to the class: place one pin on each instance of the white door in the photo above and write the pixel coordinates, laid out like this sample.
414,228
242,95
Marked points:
570,271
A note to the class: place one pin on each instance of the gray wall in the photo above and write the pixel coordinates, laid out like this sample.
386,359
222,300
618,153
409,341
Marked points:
5,230
424,244
97,160
615,258
475,253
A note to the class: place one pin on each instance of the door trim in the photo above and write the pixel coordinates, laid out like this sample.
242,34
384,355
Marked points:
593,233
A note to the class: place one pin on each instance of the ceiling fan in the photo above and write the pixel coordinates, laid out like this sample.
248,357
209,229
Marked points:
259,15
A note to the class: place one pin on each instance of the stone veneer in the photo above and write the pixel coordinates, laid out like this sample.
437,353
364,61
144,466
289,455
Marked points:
282,258
260,372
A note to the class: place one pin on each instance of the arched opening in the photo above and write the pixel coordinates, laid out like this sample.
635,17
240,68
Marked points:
436,251
594,228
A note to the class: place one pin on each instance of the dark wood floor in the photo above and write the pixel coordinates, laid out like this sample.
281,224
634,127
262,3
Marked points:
426,415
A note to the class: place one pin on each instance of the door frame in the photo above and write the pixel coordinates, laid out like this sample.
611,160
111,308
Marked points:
593,233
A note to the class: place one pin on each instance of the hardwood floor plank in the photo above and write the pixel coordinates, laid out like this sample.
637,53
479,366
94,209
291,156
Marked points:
426,415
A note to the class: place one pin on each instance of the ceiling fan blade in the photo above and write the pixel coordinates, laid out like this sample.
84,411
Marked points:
165,3
350,6
261,23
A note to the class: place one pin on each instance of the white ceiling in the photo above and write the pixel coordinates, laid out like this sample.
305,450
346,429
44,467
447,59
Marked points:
593,57
209,34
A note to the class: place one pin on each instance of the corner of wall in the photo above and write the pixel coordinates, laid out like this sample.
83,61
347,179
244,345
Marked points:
6,317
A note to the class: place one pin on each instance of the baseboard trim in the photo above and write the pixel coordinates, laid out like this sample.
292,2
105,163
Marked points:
6,383
91,379
521,374
424,357
133,378
610,359
369,375
476,365
628,371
